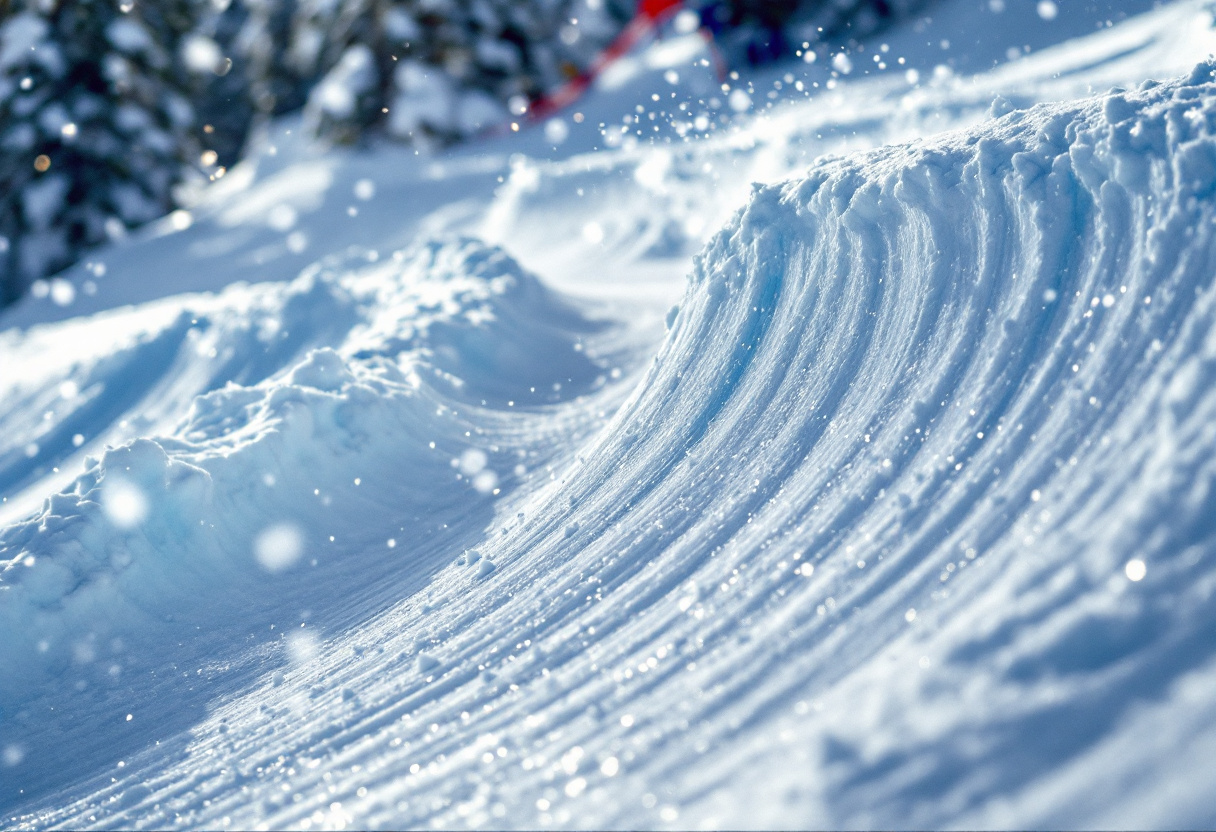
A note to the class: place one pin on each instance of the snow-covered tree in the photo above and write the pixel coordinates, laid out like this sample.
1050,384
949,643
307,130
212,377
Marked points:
276,83
106,106
94,132
758,31
216,76
433,71
436,70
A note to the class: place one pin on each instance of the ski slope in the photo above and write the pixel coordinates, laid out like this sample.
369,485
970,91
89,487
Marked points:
845,459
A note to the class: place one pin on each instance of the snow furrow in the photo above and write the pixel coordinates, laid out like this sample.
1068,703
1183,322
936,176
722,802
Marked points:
908,521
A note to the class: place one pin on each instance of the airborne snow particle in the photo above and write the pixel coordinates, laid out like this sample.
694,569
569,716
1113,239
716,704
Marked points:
593,233
472,461
12,755
556,131
181,219
365,189
282,217
1047,9
124,504
63,293
278,547
201,54
1135,570
485,482
686,22
302,647
739,100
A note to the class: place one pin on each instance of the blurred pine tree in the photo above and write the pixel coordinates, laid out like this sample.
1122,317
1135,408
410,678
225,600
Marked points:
107,107
95,132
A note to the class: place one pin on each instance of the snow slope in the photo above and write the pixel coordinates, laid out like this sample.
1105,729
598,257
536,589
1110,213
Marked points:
903,516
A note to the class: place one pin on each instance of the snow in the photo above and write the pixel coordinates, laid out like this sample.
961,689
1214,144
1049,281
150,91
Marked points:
26,35
338,92
128,36
843,462
201,54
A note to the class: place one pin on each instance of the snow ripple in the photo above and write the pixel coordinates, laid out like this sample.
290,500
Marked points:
859,544
910,522
968,381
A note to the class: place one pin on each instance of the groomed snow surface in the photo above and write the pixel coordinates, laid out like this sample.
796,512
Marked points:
574,480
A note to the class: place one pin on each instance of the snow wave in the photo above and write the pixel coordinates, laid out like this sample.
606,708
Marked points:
969,382
913,508
910,522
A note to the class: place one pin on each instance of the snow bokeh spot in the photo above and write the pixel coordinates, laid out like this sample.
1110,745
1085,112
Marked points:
125,503
1135,569
279,547
12,755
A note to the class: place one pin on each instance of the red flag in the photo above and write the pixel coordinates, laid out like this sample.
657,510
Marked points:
658,9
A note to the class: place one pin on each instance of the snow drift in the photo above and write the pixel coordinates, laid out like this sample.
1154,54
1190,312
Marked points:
163,536
909,522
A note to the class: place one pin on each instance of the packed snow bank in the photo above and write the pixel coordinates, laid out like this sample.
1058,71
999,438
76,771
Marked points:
401,429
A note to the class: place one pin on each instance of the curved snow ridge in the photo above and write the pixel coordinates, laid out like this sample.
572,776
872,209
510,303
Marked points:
936,418
261,485
936,375
911,516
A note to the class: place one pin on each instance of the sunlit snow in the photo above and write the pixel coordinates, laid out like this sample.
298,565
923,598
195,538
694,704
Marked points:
826,446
